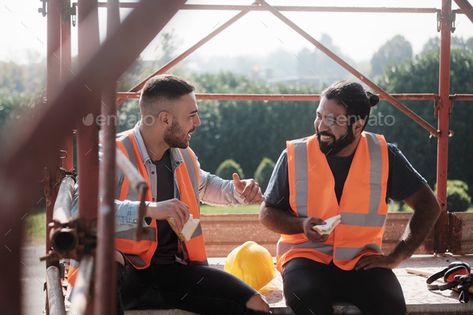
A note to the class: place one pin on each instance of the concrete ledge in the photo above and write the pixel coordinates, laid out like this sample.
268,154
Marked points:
419,300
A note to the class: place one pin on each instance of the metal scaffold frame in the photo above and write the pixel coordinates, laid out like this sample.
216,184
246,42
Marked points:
50,137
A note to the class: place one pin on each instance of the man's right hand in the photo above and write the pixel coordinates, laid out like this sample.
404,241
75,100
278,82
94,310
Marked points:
311,234
172,208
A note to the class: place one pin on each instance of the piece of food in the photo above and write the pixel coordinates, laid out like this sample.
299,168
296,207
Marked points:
329,225
189,228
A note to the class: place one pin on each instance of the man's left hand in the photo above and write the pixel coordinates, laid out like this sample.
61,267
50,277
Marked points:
377,261
248,189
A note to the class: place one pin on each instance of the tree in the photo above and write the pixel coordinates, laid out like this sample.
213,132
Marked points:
421,76
316,68
395,51
433,44
469,43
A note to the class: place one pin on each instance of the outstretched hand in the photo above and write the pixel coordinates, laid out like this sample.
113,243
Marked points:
248,189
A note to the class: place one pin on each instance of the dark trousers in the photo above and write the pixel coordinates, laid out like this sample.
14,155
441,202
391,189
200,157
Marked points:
199,289
312,288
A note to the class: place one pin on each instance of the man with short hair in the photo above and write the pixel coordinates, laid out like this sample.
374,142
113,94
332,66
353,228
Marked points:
161,271
343,170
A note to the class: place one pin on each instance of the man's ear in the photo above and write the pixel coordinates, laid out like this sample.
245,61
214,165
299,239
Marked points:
358,126
165,117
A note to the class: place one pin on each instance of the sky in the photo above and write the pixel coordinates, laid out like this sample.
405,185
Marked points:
359,35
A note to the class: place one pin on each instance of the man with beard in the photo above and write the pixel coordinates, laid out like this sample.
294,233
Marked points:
343,170
161,271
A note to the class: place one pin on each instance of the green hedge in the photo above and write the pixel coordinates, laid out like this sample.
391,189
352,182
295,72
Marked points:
227,168
458,199
263,172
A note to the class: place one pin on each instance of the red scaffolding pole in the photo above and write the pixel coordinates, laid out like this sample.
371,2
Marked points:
291,97
68,154
87,151
443,116
105,275
466,8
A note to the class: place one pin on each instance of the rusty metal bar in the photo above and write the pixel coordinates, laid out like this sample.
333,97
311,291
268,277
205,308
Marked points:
81,294
137,182
292,8
466,8
53,120
193,48
142,191
53,64
443,117
88,162
52,81
462,97
105,275
63,204
312,9
408,112
130,171
63,239
54,289
286,97
68,158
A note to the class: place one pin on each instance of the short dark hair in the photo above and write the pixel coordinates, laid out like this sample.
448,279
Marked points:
166,86
351,95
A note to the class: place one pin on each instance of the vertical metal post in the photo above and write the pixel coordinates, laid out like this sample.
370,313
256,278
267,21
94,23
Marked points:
443,116
105,279
52,84
88,132
68,159
88,41
53,63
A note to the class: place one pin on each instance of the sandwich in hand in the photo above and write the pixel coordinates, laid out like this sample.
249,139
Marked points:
329,225
187,230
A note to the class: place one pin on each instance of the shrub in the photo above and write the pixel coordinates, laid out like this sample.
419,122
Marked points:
458,199
227,168
263,172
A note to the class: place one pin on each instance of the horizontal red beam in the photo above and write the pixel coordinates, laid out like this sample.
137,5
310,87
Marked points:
301,97
220,7
279,97
462,97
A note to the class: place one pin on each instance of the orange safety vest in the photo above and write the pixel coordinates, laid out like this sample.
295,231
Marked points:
362,207
187,176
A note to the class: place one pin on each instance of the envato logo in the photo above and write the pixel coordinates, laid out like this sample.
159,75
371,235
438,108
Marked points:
119,120
381,120
377,119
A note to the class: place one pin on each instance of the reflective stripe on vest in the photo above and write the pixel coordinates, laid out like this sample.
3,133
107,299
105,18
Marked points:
283,247
362,204
345,253
187,174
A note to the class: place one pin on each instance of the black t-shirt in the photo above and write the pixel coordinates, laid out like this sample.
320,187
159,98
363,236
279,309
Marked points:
167,239
403,179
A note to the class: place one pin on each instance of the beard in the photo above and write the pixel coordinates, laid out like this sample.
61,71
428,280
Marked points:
175,137
336,145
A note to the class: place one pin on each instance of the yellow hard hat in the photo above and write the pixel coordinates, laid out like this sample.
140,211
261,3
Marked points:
251,263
